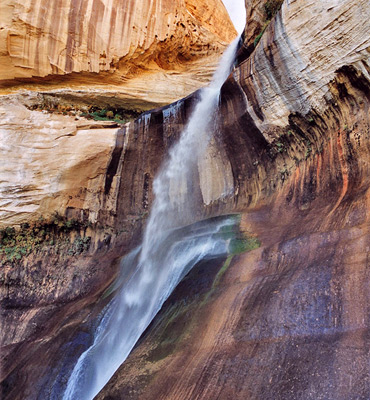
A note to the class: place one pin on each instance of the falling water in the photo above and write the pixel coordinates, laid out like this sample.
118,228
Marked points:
167,252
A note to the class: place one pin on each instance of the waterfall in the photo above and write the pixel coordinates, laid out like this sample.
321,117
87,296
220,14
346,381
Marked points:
167,253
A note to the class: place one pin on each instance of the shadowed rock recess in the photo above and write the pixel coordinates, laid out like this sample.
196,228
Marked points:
291,154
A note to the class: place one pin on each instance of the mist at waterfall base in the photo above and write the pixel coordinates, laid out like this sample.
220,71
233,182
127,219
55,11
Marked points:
167,253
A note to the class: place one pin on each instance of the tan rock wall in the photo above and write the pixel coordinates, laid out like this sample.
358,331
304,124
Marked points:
42,37
294,61
50,163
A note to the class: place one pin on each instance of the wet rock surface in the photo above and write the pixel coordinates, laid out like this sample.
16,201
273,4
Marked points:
288,320
291,154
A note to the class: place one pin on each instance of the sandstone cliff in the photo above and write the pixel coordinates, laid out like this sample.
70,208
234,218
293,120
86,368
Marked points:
50,163
110,40
135,55
287,320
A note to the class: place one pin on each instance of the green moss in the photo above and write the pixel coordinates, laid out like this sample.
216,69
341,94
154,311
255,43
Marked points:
100,113
272,7
279,147
222,271
259,36
308,149
79,245
174,329
120,116
242,245
239,243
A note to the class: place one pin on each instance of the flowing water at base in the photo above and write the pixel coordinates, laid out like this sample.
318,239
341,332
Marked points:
167,253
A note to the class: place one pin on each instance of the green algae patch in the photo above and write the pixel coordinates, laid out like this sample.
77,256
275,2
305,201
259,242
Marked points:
111,289
243,245
177,325
236,246
222,271
239,242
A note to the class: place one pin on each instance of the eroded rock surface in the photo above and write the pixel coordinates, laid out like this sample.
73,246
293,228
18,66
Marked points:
135,55
51,163
110,40
289,319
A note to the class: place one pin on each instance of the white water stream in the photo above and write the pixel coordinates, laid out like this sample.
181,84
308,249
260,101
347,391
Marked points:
167,253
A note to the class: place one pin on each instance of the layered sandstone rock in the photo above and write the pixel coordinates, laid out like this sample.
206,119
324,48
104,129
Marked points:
106,43
120,38
275,89
287,320
50,163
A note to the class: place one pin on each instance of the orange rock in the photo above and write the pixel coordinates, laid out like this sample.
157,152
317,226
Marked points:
41,38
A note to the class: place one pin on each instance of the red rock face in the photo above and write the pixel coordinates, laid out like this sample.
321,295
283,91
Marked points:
288,320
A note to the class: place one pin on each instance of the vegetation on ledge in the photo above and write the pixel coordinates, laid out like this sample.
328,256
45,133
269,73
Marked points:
54,235
271,8
118,115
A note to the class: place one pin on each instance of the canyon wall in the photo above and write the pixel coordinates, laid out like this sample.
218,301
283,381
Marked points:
105,47
110,40
288,320
289,74
61,173
291,154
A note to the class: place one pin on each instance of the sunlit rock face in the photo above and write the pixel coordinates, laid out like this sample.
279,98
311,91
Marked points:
120,38
272,105
50,163
294,63
137,55
288,73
